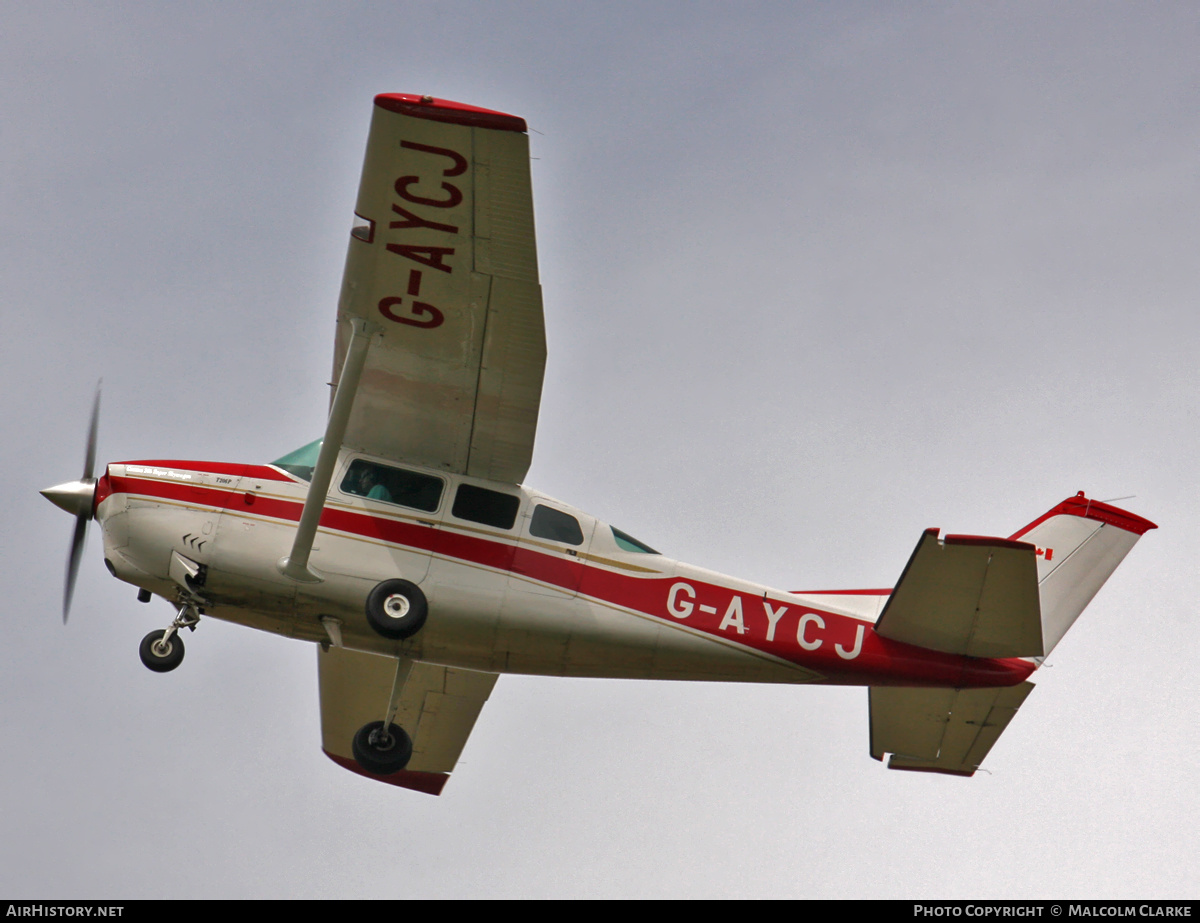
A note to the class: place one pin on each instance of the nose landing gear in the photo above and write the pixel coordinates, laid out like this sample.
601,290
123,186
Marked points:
162,651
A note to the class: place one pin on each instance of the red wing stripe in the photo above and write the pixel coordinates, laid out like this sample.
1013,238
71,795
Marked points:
431,783
447,110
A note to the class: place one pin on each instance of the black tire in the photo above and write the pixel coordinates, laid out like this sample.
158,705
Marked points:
381,754
397,609
158,660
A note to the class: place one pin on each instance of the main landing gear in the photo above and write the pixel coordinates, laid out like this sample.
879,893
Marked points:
162,651
381,747
397,609
382,752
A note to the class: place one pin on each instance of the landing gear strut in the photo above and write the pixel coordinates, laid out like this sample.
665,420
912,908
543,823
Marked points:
162,651
382,747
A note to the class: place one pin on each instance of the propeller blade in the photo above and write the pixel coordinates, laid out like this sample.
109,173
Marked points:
76,497
73,559
89,461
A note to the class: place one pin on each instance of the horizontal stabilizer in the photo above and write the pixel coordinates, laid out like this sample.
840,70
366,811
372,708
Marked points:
967,595
940,730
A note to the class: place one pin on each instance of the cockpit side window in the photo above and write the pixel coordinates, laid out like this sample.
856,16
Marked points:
393,485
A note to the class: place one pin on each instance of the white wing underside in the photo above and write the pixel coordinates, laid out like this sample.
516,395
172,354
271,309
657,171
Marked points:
443,266
438,708
940,730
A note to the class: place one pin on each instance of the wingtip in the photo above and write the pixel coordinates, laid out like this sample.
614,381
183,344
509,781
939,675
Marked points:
447,110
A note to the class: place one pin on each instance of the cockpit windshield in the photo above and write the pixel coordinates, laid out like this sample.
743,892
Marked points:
301,462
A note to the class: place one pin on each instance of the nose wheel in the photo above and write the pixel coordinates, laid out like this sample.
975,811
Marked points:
162,651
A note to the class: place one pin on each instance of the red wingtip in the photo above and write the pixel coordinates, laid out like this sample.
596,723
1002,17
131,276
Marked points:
431,783
447,110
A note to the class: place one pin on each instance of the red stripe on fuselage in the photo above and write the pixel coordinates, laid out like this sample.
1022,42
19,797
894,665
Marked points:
849,652
886,591
263,472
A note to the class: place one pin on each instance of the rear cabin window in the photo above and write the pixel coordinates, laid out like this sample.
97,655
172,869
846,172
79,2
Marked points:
393,485
628,543
555,525
488,507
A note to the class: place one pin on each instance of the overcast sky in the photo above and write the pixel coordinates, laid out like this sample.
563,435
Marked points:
816,277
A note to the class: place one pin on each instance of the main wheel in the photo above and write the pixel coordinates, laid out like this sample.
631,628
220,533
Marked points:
382,752
159,655
397,609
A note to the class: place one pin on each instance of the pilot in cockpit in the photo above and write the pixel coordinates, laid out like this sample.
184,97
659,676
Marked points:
369,485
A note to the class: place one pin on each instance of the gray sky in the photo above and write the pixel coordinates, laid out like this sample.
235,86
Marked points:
817,277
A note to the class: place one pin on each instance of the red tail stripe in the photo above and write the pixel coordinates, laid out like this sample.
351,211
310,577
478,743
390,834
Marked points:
1081,506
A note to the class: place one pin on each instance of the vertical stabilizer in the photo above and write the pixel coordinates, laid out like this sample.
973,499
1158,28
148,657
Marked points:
1079,544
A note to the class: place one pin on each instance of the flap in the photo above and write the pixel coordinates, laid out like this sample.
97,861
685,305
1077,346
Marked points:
967,595
438,708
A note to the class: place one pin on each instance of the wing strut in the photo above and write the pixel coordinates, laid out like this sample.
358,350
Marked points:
295,565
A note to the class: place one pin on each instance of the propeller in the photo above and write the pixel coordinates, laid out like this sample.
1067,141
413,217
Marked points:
76,497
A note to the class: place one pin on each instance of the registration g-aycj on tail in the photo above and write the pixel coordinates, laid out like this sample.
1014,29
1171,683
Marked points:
404,546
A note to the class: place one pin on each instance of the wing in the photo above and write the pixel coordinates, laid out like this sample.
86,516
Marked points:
442,265
967,595
940,730
438,708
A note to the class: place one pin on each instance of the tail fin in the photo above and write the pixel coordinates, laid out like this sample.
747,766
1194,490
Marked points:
1079,544
952,593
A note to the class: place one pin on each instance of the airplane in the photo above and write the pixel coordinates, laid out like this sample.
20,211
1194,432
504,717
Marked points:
404,545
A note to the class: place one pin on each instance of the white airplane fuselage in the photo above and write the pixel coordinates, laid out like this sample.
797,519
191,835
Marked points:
500,600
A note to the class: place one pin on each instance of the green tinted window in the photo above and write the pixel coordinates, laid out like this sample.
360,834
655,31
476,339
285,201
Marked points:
629,543
301,462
